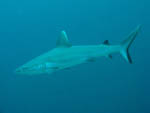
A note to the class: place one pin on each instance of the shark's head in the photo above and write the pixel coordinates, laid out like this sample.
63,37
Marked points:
26,70
35,69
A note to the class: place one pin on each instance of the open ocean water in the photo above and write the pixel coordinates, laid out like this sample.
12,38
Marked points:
29,28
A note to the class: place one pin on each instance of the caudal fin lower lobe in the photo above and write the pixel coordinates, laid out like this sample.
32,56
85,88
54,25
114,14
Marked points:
125,45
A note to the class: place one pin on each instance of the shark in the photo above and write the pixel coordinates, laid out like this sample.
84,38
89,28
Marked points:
65,55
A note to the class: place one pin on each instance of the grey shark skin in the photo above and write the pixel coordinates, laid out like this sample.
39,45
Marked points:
65,55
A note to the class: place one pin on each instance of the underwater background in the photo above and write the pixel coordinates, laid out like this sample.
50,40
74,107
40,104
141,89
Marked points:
29,28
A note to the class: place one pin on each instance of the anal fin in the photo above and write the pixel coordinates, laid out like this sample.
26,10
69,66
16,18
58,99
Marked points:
109,56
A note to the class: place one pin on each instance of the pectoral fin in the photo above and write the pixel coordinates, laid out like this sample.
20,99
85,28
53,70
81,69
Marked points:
91,59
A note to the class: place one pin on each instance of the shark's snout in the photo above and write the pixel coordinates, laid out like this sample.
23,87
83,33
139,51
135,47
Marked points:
18,71
21,70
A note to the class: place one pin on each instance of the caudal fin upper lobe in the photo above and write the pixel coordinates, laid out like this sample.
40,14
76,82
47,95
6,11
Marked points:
125,45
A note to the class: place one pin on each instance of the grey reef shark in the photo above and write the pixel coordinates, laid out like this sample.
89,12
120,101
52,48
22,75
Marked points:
65,55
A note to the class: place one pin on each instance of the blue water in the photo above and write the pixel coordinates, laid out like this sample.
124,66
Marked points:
29,28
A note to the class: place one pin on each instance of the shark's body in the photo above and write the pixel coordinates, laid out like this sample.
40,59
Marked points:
65,55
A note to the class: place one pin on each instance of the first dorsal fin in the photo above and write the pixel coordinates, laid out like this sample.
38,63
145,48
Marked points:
63,40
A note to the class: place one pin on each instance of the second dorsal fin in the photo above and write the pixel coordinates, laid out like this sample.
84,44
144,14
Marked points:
106,42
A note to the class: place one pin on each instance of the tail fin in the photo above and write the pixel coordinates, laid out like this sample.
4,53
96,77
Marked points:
125,45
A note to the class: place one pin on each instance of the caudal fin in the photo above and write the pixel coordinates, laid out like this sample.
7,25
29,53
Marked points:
125,45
